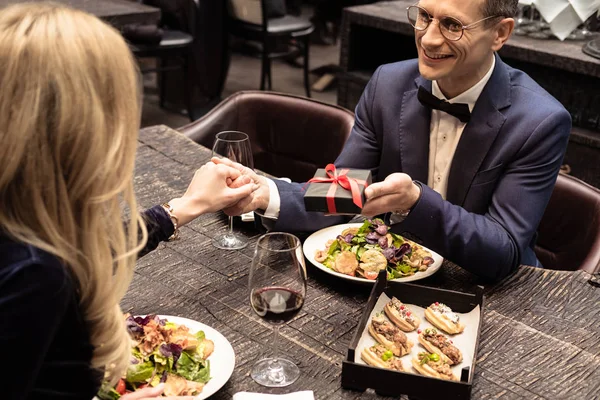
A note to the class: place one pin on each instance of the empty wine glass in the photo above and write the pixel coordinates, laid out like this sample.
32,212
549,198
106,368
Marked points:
277,290
235,146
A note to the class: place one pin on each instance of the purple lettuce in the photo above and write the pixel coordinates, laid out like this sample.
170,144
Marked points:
347,238
383,242
132,326
389,253
403,250
372,237
382,230
144,321
163,378
171,349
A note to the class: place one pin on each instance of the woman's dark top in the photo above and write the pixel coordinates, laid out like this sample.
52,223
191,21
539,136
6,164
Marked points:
44,341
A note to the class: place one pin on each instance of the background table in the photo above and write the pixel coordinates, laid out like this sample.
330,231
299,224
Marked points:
115,12
540,338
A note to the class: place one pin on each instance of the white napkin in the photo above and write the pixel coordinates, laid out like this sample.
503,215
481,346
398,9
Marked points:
304,395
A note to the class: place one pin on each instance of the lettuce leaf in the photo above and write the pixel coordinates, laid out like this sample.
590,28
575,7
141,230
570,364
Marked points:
140,372
364,229
193,370
107,392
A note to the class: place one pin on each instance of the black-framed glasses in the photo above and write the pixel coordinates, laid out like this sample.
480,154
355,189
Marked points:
450,27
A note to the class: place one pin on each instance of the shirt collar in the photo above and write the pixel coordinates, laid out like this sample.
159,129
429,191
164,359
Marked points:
471,95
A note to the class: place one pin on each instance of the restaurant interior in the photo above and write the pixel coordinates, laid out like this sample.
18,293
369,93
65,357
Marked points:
461,301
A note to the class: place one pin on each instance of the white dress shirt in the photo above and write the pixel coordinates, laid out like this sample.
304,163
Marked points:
445,132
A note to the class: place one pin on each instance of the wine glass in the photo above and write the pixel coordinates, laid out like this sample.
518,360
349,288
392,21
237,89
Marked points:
277,291
235,146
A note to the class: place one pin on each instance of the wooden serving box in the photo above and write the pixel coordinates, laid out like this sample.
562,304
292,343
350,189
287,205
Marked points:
388,382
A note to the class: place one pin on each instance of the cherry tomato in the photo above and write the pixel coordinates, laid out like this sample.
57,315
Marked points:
372,275
121,387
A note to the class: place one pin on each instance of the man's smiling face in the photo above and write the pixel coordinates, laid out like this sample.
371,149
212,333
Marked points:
449,62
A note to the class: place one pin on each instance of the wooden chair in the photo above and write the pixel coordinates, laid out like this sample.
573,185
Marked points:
251,23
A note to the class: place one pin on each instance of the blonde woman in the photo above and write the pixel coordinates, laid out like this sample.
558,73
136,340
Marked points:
69,119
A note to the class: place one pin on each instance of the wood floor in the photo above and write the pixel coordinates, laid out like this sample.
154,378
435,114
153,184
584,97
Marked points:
244,74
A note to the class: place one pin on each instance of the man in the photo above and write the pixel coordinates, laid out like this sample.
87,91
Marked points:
471,183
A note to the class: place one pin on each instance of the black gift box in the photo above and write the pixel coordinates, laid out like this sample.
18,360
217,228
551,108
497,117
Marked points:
387,382
315,197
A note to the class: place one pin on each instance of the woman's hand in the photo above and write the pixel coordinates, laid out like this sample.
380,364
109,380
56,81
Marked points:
152,393
259,198
213,188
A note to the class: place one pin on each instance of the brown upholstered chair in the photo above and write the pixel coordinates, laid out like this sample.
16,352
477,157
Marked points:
291,136
569,233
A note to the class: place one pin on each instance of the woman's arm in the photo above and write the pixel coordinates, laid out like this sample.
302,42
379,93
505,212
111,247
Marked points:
212,188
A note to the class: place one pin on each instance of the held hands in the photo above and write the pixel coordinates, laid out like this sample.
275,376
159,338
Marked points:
396,193
258,199
213,187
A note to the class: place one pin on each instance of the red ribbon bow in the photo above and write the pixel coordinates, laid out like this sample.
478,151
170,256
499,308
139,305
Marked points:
342,180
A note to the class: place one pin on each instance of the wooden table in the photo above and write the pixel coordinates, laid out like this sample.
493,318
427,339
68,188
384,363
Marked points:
115,12
540,338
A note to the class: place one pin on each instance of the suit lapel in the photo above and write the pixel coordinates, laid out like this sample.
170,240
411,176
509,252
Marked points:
413,134
479,134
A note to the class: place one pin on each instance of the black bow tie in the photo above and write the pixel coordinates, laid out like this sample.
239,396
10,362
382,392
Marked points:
458,110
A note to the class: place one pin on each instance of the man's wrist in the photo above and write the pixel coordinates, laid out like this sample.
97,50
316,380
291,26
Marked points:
398,216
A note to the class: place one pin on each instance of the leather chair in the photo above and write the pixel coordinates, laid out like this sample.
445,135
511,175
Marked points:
291,136
569,233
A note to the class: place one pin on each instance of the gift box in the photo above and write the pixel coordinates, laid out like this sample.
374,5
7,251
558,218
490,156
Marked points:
357,375
337,191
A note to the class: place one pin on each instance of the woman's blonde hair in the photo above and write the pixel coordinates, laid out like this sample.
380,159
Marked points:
69,120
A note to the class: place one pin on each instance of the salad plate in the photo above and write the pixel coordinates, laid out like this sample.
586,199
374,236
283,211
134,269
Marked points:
318,242
212,370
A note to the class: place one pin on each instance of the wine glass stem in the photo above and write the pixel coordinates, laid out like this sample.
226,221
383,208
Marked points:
230,225
275,367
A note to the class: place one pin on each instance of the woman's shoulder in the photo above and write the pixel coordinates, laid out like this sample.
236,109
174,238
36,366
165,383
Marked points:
21,263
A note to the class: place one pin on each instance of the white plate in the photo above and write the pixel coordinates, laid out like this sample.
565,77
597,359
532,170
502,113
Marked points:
317,241
222,360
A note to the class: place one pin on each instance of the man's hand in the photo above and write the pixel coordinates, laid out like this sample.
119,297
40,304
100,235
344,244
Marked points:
396,193
258,199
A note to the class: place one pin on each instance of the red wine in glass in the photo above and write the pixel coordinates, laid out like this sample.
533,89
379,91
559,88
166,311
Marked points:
277,283
277,304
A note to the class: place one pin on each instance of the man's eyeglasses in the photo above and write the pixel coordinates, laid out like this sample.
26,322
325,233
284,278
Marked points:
451,28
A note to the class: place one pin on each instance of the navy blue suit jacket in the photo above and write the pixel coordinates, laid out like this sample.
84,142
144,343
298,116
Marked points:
501,177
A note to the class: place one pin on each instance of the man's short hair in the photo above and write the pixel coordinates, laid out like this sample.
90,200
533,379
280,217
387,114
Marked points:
501,8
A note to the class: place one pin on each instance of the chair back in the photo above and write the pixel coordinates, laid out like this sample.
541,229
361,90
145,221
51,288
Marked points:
291,136
569,233
248,11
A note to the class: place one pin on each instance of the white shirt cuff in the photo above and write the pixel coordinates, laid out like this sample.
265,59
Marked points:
272,211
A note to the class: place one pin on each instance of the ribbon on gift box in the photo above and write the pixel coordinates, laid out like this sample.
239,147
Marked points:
343,180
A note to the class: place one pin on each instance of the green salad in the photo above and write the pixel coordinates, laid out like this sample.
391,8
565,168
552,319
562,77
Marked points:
366,250
163,352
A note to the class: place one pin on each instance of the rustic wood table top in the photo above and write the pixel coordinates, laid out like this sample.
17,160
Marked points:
115,12
540,338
